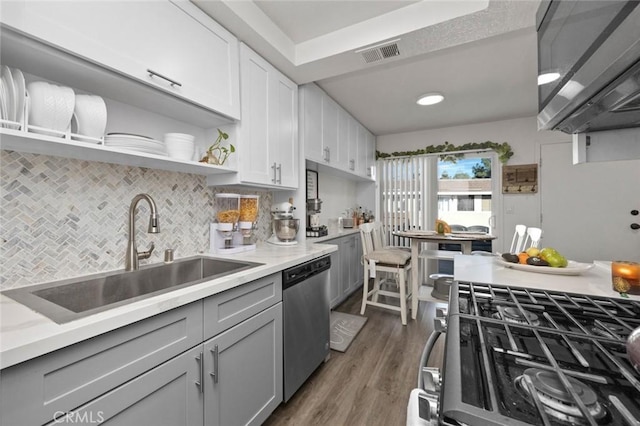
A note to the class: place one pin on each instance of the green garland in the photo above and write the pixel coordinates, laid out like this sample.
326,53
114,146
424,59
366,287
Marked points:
502,149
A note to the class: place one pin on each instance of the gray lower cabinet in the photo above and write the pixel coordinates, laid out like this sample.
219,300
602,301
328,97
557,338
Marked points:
36,392
168,395
243,371
346,271
164,370
335,277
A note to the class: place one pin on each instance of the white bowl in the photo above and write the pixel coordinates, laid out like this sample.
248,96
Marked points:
65,100
91,115
41,104
178,137
180,154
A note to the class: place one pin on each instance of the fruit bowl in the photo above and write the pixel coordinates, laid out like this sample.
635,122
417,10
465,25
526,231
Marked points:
572,268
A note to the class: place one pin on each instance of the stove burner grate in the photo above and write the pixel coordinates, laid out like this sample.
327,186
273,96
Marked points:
556,400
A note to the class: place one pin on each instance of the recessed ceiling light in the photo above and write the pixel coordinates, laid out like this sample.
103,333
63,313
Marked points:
547,77
430,99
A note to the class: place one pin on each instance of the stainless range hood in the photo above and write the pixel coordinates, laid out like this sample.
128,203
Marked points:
594,49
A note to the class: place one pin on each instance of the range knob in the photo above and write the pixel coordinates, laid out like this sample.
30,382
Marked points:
440,324
441,312
428,407
431,379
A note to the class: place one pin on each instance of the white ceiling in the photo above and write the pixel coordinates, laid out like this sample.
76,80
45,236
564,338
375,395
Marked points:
481,54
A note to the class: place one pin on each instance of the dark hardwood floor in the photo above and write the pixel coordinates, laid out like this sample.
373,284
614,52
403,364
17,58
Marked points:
370,383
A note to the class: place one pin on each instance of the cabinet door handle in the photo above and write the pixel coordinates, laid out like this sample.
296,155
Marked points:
273,167
172,82
279,173
327,154
200,361
214,374
352,164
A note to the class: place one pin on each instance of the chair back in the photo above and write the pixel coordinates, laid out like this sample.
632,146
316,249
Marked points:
518,240
366,235
533,237
371,235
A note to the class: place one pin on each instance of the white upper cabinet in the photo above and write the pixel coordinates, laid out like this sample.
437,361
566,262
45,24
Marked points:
332,137
267,148
311,122
283,147
330,130
171,46
370,156
342,160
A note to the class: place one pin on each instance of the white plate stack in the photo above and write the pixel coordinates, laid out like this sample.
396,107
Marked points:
180,146
129,142
12,97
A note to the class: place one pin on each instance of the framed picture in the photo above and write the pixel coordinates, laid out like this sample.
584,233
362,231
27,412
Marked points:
520,179
312,184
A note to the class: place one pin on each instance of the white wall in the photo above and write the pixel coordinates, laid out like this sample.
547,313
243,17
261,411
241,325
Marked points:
525,140
337,194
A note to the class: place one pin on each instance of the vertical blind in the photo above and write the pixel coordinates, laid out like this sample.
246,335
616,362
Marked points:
407,195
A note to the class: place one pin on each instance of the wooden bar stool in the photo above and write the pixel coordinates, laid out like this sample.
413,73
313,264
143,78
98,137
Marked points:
379,259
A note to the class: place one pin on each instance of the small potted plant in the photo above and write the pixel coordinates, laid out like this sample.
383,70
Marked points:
218,153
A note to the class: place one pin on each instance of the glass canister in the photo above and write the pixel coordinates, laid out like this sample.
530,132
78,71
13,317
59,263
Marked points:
249,208
228,209
248,213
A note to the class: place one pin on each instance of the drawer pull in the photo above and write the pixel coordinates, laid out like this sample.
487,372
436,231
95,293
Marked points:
152,73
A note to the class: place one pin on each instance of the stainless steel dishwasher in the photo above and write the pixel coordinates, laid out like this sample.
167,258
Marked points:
306,321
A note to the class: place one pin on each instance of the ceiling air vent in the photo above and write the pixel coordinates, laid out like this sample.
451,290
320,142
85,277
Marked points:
380,52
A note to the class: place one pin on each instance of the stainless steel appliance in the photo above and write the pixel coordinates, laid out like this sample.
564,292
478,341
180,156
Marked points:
314,229
285,227
306,309
592,48
524,356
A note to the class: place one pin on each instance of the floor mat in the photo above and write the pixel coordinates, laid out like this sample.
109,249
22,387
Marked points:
344,328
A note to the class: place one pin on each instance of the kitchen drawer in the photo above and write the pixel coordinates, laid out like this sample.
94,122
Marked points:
32,392
223,311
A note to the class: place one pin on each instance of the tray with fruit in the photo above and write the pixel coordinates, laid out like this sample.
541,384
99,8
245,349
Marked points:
543,261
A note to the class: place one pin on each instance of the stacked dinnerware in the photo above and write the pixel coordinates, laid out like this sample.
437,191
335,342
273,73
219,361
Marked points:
130,142
50,106
90,114
12,97
180,146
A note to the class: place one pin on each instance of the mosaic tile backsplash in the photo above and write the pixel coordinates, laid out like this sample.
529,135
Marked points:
62,218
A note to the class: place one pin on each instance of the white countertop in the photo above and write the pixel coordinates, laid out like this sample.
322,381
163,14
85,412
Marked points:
484,269
334,234
26,334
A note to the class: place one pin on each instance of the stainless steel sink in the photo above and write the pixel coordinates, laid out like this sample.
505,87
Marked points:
63,301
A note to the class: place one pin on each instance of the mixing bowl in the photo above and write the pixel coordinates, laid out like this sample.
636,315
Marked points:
286,229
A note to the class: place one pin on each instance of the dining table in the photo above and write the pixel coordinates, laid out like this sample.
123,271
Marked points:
464,238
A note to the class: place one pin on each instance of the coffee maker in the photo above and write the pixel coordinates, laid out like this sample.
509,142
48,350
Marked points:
314,229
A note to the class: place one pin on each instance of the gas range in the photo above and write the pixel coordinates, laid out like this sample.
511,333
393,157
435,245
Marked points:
522,356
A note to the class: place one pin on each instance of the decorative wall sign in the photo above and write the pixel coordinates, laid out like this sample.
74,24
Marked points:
312,184
521,179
